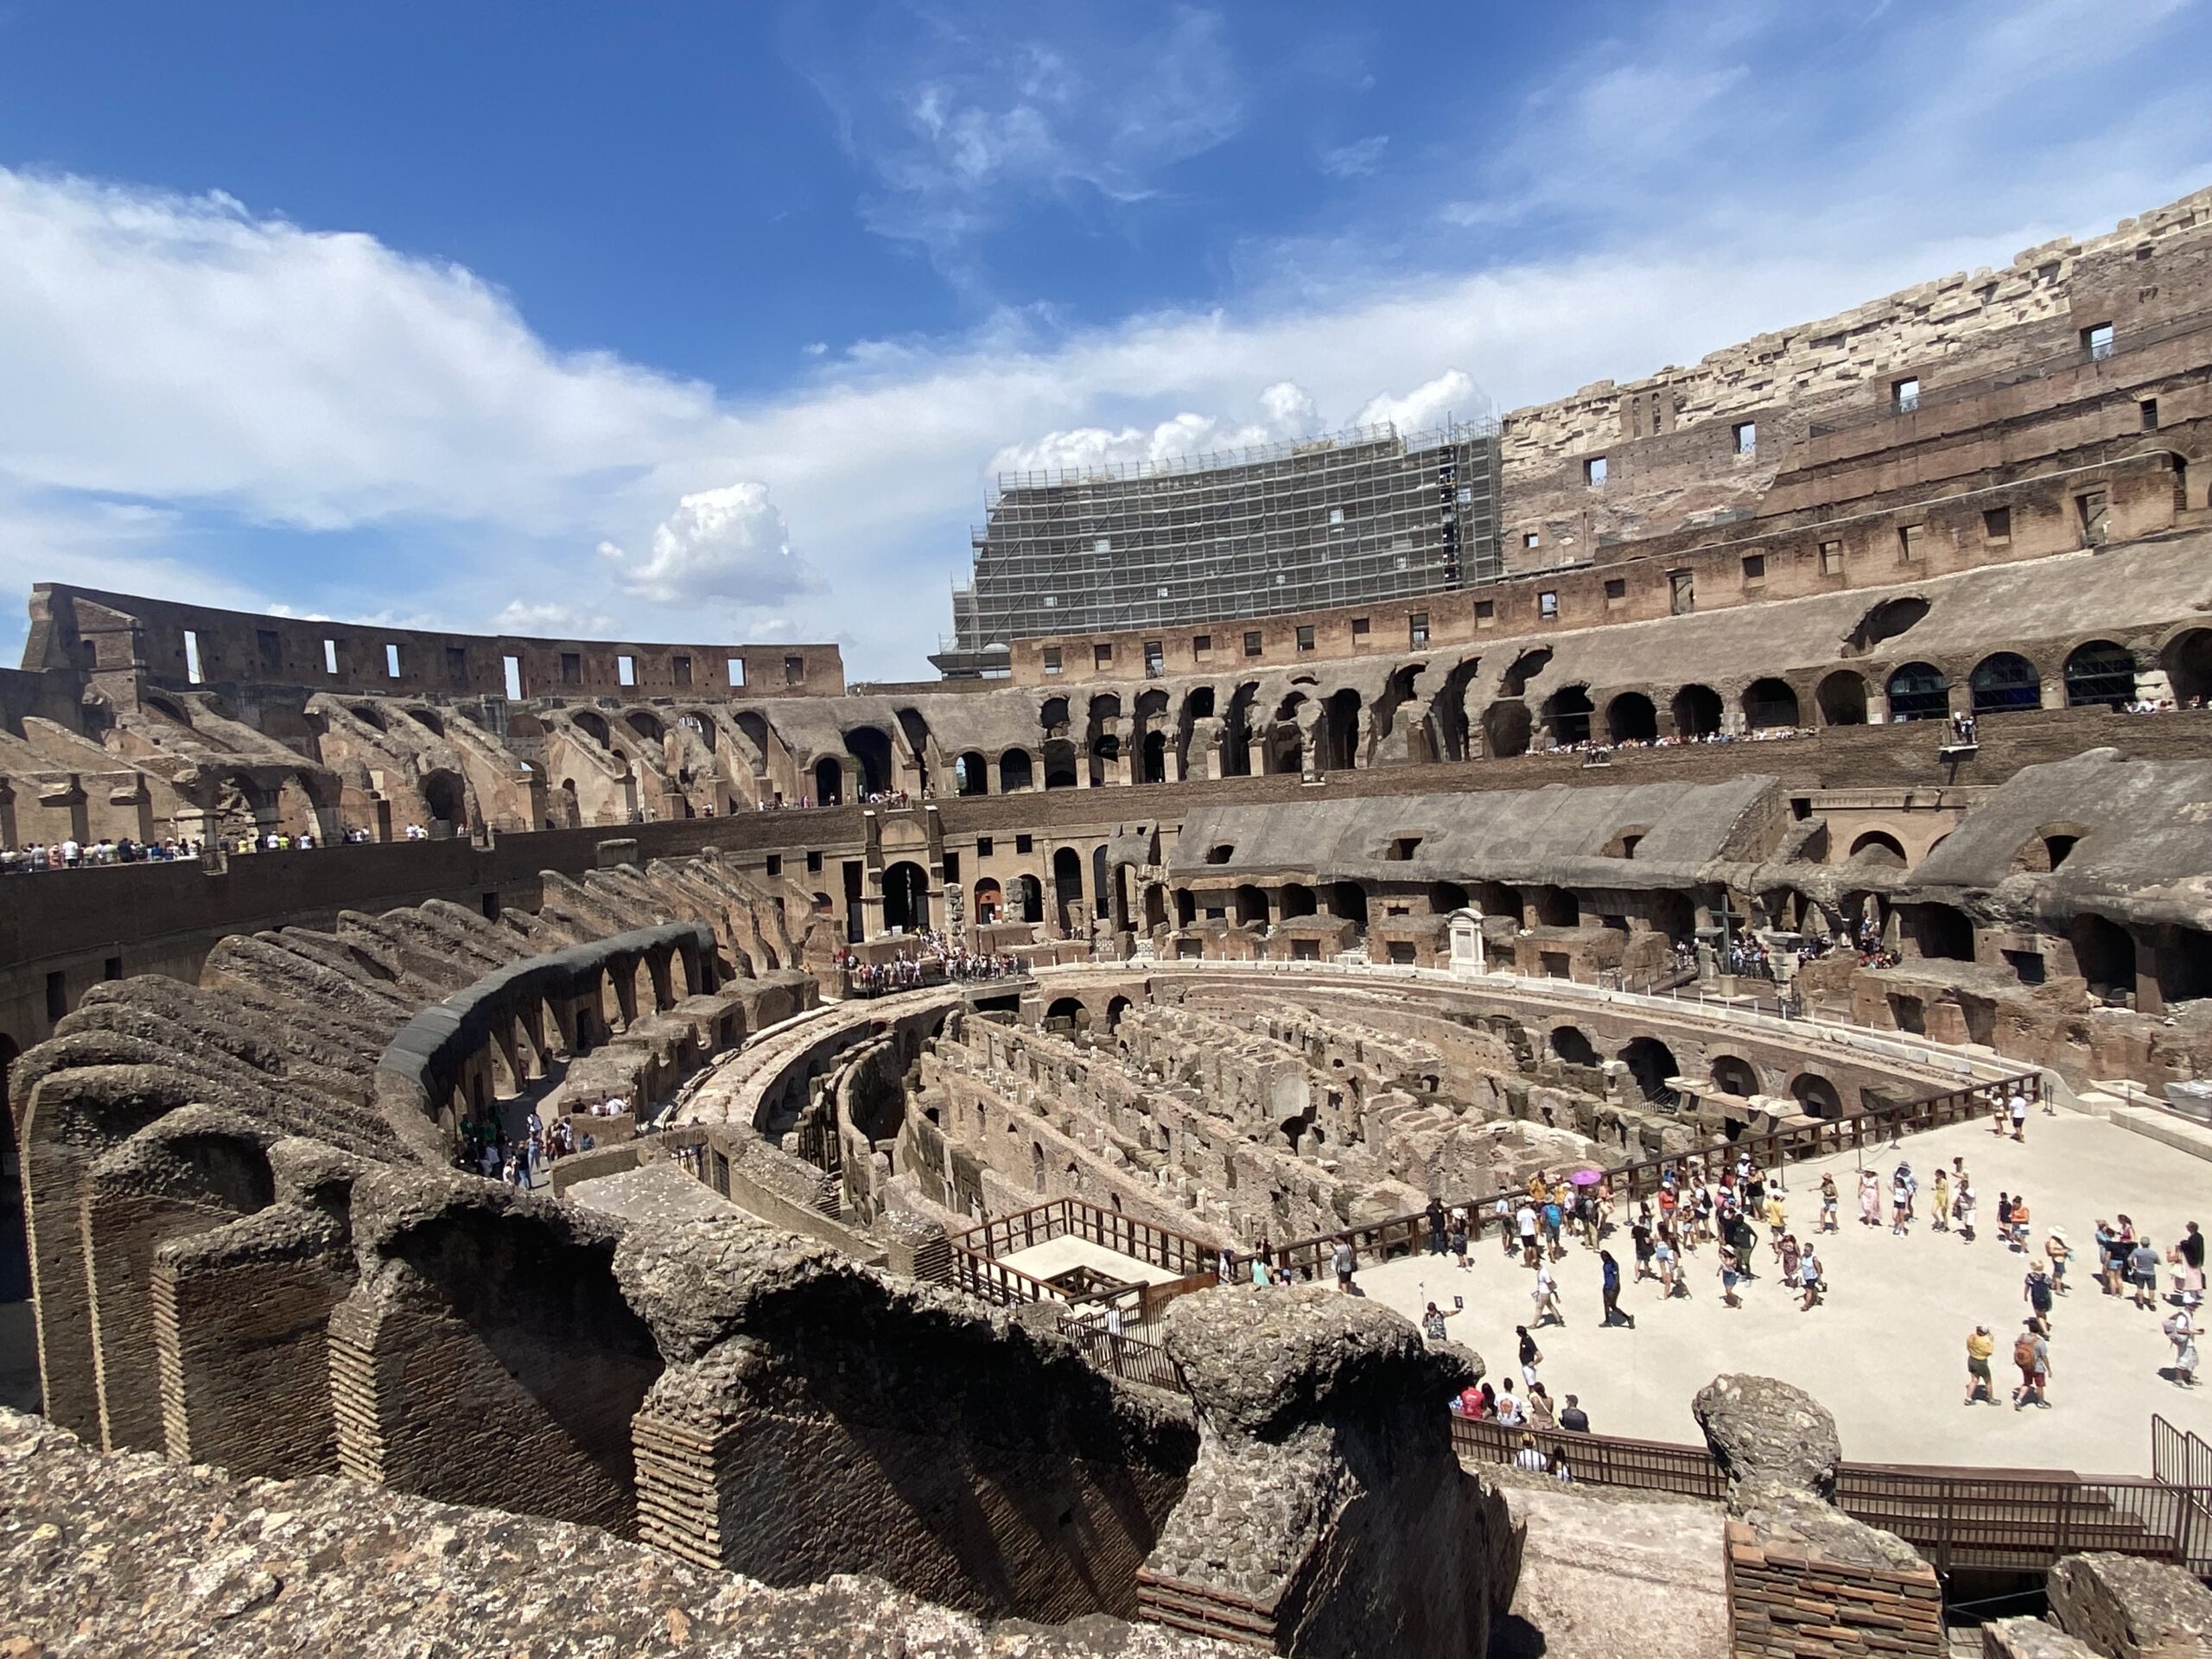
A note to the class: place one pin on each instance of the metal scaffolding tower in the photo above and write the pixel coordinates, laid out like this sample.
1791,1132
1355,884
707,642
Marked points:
1365,515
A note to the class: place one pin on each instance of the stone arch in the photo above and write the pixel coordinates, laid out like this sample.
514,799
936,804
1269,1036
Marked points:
446,797
2100,672
1052,714
1070,1009
1630,718
1525,668
1944,932
1572,1044
1151,762
906,897
829,781
1249,906
2004,682
1885,622
1731,1074
587,720
1016,771
1815,1096
1919,691
1348,900
647,725
2104,951
1447,709
974,773
428,719
1336,741
1769,704
2187,658
1650,1063
1067,886
1029,893
1567,716
1060,764
1115,1008
990,901
169,710
1842,699
1506,728
1879,846
871,746
1696,711
1297,900
1446,896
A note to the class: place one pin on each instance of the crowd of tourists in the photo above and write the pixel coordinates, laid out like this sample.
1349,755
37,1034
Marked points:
488,1150
1590,746
926,958
39,857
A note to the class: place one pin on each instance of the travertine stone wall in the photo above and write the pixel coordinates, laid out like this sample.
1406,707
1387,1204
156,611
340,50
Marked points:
1786,1603
819,1418
2126,1607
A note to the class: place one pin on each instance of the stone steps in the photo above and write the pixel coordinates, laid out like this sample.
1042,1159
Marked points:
2168,1127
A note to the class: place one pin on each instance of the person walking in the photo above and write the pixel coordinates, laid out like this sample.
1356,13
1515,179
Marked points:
1611,1291
1808,1275
1870,1198
1524,1222
1530,1356
2017,1108
1828,1222
2037,1292
1941,1220
1963,1205
1343,1259
1439,1227
1980,1384
1456,1237
1662,1263
1728,1277
2060,1253
1545,1296
2181,1330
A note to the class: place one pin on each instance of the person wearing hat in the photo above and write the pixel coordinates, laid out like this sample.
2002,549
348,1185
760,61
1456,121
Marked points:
1980,1384
2060,1253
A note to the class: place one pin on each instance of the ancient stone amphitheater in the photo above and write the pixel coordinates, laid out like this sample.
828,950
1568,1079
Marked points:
1835,770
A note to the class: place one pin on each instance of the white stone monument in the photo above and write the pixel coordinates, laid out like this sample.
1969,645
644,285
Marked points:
1466,933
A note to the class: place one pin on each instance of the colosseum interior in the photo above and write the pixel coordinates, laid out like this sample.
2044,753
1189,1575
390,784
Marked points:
926,1057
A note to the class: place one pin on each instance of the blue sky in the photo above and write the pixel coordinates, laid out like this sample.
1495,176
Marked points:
685,320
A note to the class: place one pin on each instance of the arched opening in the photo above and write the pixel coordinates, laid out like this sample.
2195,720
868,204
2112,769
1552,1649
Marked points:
447,800
1250,906
1029,894
1919,691
1570,1044
1067,888
1155,907
1878,847
1348,900
2188,661
1769,705
2003,682
1445,897
371,716
829,781
1115,1009
1696,710
1447,710
990,902
1557,907
1815,1096
2100,672
1525,668
1059,765
1885,622
1567,716
646,725
1337,744
872,748
1297,900
1186,908
1842,699
1015,772
1067,1015
1944,933
168,710
1153,761
2104,951
1505,729
906,897
1037,1165
570,810
1735,1077
430,720
1630,718
1650,1063
974,773
1054,714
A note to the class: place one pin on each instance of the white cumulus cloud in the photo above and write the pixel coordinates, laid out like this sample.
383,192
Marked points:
1452,396
727,543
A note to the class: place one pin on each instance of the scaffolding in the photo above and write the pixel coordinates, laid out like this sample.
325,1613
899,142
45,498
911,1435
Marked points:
1361,516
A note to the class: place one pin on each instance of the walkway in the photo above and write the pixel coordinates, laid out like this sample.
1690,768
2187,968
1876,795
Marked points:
1886,1352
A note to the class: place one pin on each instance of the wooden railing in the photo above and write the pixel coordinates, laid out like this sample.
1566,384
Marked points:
1382,1241
975,1253
2021,1519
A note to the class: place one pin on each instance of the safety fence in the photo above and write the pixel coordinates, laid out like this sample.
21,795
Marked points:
2015,1519
1383,1241
977,1266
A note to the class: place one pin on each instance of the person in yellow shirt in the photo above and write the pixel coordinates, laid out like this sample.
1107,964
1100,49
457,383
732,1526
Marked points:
1979,1346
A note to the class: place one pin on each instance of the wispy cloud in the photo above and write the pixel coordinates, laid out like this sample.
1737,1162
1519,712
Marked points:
958,126
1355,160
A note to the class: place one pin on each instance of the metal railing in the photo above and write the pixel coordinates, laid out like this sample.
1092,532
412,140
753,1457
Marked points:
2019,1519
1383,1241
2183,1460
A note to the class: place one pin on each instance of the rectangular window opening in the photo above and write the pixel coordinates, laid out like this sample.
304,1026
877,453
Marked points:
1532,538
1102,656
814,863
775,863
1681,592
1831,558
794,670
1904,395
626,671
1051,660
736,671
1252,646
1305,638
1359,627
1997,524
391,661
680,669
1747,437
1485,610
511,671
330,657
1547,606
271,647
2097,341
2148,407
982,845
457,663
1909,543
1417,628
192,669
1616,591
1023,845
1202,645
1754,567
572,668
1593,471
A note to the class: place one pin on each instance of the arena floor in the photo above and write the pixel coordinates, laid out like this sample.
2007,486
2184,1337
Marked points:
1886,1350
